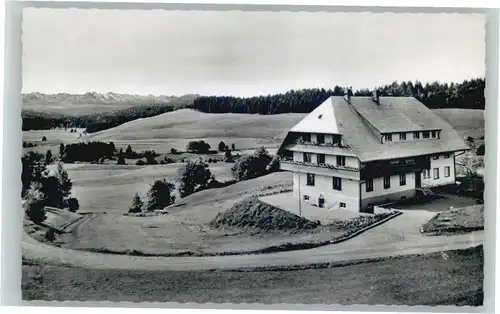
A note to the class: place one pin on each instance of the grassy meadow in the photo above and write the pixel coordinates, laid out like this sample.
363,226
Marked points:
448,278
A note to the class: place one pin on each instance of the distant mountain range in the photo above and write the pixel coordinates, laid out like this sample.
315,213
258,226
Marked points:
37,99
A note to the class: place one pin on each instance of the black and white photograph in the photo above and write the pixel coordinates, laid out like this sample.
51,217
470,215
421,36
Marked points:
253,156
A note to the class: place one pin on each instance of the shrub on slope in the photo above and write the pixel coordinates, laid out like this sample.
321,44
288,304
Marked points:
254,214
457,220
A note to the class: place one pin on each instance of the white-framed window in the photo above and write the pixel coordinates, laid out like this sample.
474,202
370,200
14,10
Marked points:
447,171
342,205
425,134
306,197
434,134
306,137
447,155
402,179
388,137
341,161
387,182
320,158
307,157
336,139
426,174
369,185
436,173
416,135
402,136
311,178
320,138
337,183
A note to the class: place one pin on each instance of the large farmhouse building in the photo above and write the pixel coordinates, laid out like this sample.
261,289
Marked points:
357,152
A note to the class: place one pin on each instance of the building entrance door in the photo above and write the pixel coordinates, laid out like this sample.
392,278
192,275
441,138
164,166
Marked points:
321,202
418,179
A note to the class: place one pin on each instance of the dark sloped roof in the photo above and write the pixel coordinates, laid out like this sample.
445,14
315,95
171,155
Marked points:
366,144
395,114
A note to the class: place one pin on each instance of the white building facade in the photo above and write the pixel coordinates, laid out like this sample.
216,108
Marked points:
341,156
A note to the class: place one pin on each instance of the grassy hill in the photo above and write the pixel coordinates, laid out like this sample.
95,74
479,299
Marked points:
467,122
175,129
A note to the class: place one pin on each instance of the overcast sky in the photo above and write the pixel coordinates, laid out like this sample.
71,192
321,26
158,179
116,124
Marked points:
243,53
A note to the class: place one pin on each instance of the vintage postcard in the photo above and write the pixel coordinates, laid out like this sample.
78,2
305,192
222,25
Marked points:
253,156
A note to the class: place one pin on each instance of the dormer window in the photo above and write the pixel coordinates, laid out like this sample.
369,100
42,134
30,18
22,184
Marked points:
425,134
402,136
433,134
388,137
416,135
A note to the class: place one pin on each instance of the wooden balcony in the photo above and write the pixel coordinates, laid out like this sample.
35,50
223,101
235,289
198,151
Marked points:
301,142
320,169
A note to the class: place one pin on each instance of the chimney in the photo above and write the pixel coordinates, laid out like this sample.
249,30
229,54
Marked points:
348,95
376,96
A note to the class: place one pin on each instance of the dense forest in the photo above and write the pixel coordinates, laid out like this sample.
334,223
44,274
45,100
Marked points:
468,95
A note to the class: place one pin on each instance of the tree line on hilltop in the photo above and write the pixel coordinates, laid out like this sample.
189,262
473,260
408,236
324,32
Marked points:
34,120
466,95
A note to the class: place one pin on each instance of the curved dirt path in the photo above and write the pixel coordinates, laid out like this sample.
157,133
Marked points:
399,236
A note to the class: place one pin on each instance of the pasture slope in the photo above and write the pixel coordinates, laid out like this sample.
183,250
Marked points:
176,129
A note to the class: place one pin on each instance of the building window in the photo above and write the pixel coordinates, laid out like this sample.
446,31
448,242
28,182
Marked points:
321,202
336,139
435,157
337,183
306,137
436,173
402,136
341,161
402,179
446,155
425,134
387,182
388,137
320,138
433,134
426,174
310,179
306,197
342,205
320,158
369,185
447,171
416,135
307,157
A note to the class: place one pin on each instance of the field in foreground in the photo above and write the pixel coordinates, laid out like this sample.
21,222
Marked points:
448,278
